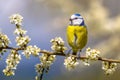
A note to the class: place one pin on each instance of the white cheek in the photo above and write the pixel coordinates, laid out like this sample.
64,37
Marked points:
77,21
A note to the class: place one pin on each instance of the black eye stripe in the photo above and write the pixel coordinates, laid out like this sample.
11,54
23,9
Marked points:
75,18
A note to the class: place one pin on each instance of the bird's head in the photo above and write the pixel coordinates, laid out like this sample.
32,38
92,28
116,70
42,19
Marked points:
77,19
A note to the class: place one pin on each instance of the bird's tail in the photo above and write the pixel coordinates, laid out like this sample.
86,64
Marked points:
74,51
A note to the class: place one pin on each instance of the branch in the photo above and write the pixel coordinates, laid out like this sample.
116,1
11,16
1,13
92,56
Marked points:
81,57
63,54
12,48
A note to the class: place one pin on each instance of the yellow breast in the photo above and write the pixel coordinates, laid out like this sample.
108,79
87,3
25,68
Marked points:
77,36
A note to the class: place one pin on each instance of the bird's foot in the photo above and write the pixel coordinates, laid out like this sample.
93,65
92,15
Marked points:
79,53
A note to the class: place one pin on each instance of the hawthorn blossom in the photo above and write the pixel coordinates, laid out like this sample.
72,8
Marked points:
58,45
16,19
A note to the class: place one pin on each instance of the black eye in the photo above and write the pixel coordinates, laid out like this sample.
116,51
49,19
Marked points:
70,19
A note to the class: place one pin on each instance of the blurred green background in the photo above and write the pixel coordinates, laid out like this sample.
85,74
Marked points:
46,19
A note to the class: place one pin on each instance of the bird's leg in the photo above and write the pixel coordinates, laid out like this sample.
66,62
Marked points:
69,52
79,53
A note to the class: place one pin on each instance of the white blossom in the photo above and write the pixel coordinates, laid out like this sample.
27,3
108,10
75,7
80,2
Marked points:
39,68
16,19
58,45
12,61
46,60
70,62
86,62
4,40
109,67
8,72
19,31
34,50
36,77
22,41
92,54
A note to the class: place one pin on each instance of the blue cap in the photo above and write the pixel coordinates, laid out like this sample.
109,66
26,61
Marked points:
76,16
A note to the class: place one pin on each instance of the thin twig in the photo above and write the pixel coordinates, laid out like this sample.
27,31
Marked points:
41,76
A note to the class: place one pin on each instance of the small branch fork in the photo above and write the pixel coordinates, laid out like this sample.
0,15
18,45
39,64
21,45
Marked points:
63,54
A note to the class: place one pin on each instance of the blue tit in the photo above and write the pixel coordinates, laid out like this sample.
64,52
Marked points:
76,33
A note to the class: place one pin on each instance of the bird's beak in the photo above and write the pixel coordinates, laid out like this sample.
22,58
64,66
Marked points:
70,19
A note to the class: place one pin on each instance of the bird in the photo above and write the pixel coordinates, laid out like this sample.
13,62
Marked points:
77,34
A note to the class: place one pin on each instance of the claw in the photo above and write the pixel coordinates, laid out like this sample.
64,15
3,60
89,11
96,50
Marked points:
79,53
